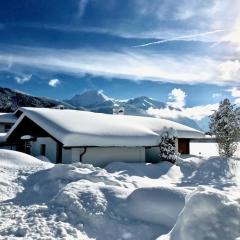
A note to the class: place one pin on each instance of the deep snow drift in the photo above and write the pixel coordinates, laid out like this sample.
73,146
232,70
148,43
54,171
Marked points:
196,199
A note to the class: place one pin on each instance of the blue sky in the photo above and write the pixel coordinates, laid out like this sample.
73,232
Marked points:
126,48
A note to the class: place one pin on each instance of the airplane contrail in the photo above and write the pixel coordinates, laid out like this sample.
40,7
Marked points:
181,38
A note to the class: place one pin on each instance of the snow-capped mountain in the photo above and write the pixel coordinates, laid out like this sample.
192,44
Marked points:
88,99
96,101
93,100
146,103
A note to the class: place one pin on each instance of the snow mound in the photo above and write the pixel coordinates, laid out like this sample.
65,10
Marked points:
82,199
98,209
126,201
12,164
43,158
37,222
44,185
152,171
208,214
156,205
96,200
18,160
213,171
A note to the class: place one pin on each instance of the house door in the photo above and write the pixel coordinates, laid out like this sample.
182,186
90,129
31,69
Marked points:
183,146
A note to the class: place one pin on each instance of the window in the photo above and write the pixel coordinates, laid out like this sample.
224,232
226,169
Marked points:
43,149
7,127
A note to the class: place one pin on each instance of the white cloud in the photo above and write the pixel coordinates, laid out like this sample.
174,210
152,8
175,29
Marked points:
177,98
169,19
234,35
194,113
131,64
24,78
192,17
54,82
230,70
126,64
235,92
237,101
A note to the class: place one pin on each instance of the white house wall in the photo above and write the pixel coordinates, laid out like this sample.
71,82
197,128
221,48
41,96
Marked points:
206,149
99,156
51,147
203,148
67,155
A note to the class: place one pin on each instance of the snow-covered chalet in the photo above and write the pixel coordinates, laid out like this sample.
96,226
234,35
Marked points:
67,136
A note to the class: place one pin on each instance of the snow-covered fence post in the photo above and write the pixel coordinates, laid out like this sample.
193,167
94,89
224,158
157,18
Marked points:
167,145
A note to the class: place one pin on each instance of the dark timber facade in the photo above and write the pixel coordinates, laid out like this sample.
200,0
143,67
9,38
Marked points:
28,127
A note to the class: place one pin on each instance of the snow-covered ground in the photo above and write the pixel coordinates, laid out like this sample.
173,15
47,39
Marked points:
197,199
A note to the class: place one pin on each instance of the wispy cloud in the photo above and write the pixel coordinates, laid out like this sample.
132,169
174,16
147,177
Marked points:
170,20
54,82
82,7
130,65
23,78
125,64
184,37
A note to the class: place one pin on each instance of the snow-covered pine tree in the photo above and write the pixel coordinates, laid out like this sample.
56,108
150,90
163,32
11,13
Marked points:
167,145
238,115
224,124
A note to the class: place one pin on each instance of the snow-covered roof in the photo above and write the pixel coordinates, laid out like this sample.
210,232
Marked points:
7,118
80,128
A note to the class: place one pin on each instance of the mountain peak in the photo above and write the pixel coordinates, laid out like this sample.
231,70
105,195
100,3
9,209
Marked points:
144,102
89,98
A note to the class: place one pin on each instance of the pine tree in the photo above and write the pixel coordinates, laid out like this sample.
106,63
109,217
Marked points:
167,145
224,124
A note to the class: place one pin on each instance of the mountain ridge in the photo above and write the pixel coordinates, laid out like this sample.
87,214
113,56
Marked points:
11,100
133,106
93,100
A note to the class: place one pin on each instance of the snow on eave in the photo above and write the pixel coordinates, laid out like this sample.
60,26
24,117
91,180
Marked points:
78,128
7,118
14,126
